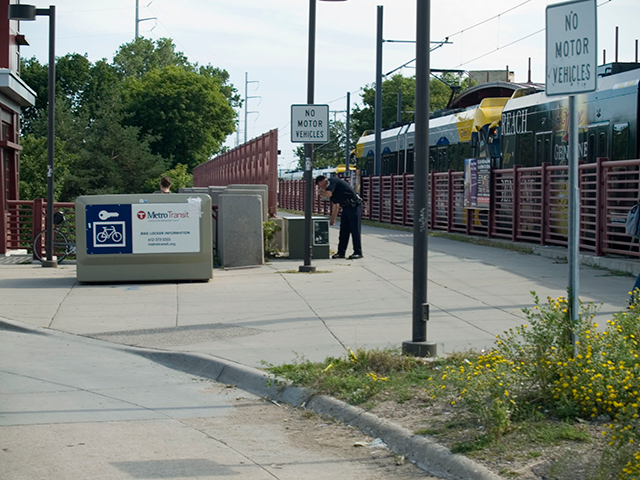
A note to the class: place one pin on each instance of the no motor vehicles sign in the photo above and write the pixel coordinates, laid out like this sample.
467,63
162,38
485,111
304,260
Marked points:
571,48
310,123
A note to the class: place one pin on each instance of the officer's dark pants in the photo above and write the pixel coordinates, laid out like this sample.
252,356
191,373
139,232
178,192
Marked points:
350,225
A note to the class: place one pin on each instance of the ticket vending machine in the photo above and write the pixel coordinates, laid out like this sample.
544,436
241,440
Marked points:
146,237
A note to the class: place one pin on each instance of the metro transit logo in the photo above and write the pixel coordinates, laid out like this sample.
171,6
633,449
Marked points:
152,215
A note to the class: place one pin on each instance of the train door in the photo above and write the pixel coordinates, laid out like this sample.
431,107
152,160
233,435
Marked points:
598,142
620,142
542,147
409,161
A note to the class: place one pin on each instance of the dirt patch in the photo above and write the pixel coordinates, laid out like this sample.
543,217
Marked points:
522,454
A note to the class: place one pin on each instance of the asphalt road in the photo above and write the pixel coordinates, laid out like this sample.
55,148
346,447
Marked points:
78,408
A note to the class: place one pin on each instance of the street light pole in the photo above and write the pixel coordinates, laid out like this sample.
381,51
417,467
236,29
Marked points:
51,132
377,163
308,147
29,12
418,345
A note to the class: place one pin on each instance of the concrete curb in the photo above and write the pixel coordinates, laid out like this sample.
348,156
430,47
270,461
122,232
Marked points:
627,266
427,454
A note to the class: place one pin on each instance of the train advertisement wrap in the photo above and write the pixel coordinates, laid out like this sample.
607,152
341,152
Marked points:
143,228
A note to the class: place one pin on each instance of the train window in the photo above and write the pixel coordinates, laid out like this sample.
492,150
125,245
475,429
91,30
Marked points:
620,142
393,163
524,149
543,147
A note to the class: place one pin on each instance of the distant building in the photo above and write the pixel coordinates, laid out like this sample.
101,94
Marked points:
488,76
14,94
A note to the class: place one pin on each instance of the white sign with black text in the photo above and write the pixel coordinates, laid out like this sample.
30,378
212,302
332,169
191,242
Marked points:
165,228
572,48
310,123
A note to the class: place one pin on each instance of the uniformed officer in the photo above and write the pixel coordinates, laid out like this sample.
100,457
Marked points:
342,195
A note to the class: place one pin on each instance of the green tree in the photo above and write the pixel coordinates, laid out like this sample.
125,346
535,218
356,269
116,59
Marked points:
33,167
36,76
185,112
114,158
363,118
328,154
120,124
179,175
141,56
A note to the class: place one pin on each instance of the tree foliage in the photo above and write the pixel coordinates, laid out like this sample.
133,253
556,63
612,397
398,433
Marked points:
120,125
135,59
186,113
363,118
328,154
179,175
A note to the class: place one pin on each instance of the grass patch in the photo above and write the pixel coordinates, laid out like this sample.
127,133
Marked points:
527,394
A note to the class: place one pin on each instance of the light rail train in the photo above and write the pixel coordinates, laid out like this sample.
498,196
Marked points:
527,128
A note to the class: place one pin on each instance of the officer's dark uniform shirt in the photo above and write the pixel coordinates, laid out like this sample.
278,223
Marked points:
340,190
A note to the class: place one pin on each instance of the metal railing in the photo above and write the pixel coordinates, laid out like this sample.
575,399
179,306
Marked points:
254,162
527,204
25,219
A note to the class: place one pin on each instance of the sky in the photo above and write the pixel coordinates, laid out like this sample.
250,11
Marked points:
266,43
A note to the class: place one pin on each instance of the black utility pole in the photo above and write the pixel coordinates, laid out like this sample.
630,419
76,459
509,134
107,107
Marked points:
377,164
308,147
419,346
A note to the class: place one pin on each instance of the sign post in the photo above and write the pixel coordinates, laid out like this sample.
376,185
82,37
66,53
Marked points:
309,125
571,68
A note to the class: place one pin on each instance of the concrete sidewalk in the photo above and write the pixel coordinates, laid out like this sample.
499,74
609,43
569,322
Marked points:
273,313
244,318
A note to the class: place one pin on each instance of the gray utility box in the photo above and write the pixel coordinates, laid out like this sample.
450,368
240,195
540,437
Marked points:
319,237
146,237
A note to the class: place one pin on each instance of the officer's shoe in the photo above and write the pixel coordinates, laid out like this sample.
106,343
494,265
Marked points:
355,256
337,255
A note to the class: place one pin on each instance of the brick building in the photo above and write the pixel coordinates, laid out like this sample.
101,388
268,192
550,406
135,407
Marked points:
14,94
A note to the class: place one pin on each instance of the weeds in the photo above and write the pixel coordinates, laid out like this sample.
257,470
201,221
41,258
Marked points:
270,228
531,385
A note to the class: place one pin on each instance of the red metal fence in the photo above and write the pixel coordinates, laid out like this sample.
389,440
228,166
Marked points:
527,204
25,219
255,162
291,195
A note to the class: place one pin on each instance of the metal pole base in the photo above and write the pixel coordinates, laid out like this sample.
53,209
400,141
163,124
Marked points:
306,269
50,263
420,349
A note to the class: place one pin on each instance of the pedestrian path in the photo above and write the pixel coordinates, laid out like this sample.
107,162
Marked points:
274,314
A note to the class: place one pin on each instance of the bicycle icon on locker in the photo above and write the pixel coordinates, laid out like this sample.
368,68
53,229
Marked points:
110,234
